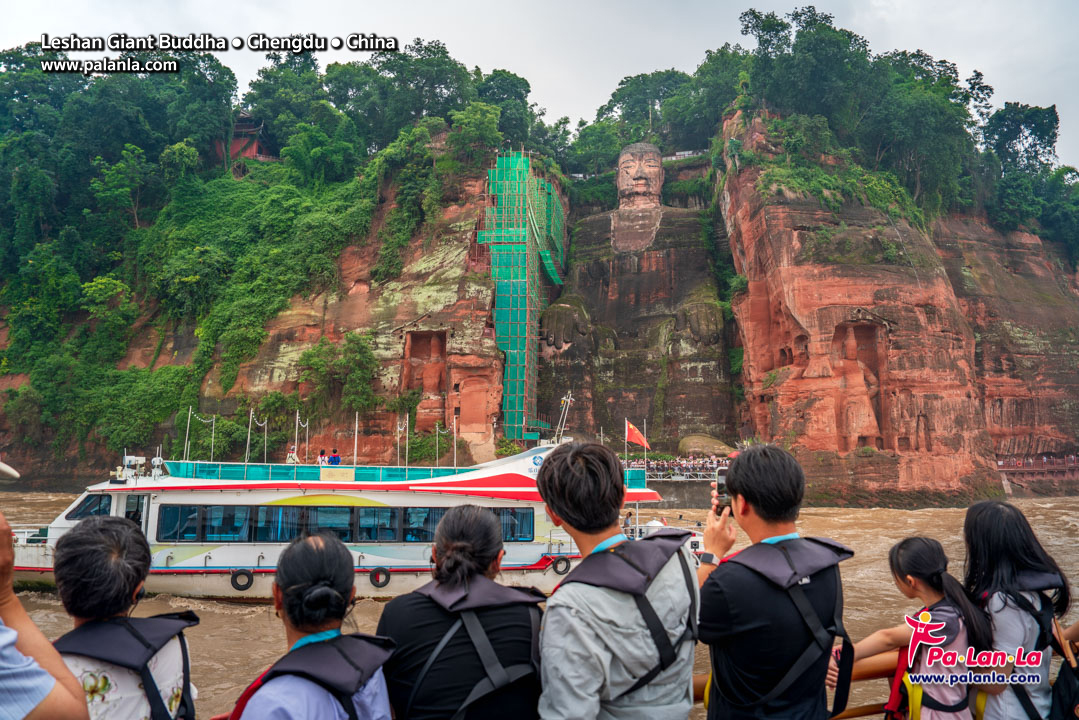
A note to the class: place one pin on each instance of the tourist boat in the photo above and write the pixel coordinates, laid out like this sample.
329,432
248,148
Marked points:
216,529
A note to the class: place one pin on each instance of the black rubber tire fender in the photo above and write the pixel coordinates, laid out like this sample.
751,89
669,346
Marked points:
561,565
242,579
379,577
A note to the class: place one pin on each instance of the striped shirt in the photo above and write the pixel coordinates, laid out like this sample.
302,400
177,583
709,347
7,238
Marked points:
23,684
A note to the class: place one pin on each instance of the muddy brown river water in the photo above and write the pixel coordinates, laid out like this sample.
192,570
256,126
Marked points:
236,642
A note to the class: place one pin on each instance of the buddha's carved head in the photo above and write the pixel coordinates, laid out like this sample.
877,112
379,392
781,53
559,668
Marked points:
640,176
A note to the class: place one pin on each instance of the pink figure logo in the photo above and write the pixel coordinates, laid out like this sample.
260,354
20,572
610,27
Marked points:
922,635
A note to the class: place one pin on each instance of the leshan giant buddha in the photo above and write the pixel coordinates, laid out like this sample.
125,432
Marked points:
637,331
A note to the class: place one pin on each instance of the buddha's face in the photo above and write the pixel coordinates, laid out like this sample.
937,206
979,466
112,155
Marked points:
639,179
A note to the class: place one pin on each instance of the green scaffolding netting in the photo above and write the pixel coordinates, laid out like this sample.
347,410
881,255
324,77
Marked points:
524,230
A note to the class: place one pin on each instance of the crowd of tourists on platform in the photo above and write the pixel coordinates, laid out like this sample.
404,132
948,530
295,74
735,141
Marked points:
615,640
702,465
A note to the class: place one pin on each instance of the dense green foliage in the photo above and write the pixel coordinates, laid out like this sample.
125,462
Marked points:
907,134
119,217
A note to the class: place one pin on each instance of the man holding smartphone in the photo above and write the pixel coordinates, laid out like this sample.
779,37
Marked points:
770,612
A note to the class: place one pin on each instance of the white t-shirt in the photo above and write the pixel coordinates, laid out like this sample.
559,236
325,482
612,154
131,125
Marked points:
115,692
1013,628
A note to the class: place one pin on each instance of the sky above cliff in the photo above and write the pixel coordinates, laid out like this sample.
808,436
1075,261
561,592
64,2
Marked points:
575,53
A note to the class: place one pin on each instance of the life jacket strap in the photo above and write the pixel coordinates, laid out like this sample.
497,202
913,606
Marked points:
1043,615
431,661
668,653
821,645
158,710
497,675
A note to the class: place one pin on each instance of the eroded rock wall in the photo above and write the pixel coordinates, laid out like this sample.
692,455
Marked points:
637,332
1023,305
857,352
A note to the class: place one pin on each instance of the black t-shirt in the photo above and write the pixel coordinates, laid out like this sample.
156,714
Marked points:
756,633
417,623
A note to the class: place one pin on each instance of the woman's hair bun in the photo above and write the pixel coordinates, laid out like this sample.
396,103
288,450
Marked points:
467,541
316,576
321,597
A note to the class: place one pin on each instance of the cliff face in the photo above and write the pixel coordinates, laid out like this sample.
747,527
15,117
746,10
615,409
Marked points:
430,334
637,332
857,351
1023,305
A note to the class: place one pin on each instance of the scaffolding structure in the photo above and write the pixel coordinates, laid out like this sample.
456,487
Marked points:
524,230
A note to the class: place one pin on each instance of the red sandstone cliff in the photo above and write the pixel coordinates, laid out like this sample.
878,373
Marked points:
861,360
1023,305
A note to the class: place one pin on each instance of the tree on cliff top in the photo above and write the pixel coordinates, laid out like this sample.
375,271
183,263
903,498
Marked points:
283,93
474,132
1024,137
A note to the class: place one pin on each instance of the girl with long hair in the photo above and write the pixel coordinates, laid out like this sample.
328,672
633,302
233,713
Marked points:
1021,587
920,570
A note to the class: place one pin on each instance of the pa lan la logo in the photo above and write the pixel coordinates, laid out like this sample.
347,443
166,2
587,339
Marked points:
923,629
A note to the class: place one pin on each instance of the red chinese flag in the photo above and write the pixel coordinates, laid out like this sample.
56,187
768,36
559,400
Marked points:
634,435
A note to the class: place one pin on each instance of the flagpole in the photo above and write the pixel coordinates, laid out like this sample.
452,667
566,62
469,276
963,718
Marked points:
625,443
646,445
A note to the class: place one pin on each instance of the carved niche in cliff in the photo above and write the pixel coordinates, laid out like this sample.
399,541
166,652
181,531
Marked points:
856,366
425,370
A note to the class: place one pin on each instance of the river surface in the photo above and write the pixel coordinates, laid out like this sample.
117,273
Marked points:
235,642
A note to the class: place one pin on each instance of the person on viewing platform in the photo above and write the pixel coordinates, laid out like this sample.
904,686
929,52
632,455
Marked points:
1022,588
129,667
770,612
323,459
619,631
325,675
34,681
291,458
920,570
335,459
462,628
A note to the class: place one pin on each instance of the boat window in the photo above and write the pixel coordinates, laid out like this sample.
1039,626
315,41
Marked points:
278,524
337,520
96,504
226,523
179,523
420,523
378,524
134,507
517,524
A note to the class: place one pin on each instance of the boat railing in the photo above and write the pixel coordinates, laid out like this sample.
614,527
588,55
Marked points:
26,534
290,472
285,472
870,668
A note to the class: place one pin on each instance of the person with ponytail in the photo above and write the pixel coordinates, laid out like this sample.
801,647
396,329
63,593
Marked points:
920,570
467,647
325,674
1022,588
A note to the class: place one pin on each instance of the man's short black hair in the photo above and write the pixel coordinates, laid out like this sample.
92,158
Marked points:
98,564
770,479
583,484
